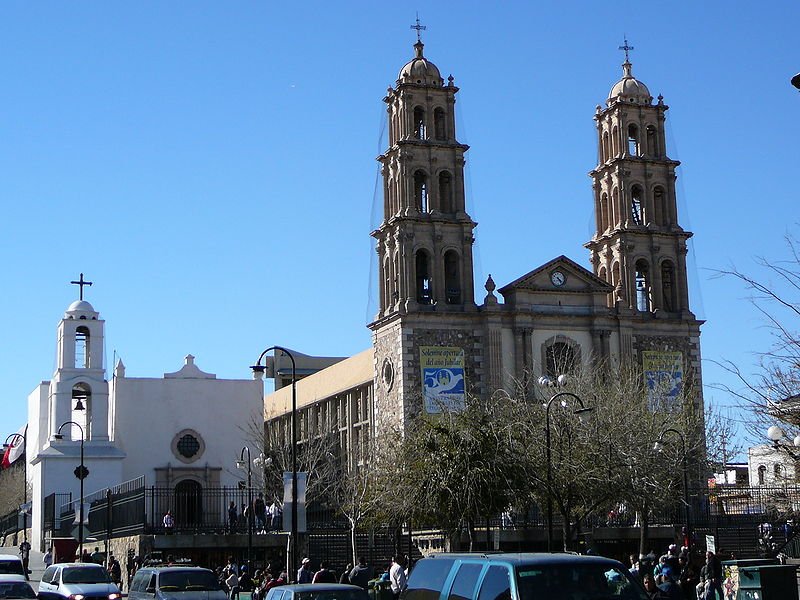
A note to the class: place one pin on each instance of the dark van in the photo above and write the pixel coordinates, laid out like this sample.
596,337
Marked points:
520,577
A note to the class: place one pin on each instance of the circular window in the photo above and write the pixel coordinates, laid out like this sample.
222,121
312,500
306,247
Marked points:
387,374
188,446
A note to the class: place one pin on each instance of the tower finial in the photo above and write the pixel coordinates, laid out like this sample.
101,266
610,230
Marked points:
419,28
81,282
626,48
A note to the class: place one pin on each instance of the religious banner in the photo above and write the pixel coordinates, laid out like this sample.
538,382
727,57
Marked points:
442,378
663,373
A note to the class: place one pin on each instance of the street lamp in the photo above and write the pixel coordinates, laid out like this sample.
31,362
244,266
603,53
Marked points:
776,436
581,413
81,474
258,373
658,446
241,464
12,441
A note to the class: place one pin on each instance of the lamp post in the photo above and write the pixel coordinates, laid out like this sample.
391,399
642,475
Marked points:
580,412
258,373
658,446
11,441
241,463
81,474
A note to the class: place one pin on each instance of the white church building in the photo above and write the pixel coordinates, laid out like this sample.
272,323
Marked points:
184,430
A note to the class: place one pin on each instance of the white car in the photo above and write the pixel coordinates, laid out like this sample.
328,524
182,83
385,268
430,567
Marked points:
11,564
77,581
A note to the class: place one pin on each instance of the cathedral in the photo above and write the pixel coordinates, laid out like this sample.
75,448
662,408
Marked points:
432,343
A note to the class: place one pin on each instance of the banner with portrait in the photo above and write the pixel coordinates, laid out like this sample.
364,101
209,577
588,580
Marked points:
663,373
442,378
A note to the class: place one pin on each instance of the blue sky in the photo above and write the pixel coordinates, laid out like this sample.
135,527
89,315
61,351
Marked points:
210,165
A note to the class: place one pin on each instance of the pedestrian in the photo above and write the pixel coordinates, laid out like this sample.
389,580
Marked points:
86,557
169,522
653,593
304,574
47,559
260,509
25,554
233,517
360,574
245,581
324,575
115,571
345,576
232,581
714,575
97,557
397,576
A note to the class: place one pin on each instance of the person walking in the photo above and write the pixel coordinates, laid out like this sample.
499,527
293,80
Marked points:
360,574
397,576
47,559
304,574
233,517
169,522
115,571
324,575
714,575
25,554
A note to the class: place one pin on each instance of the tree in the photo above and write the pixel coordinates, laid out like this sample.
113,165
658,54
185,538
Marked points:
773,391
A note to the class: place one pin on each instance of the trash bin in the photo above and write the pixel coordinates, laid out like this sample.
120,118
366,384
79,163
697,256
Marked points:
765,582
379,590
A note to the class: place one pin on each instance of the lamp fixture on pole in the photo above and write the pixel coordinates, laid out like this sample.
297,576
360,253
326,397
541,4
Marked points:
81,472
780,441
581,413
241,463
258,373
658,446
12,441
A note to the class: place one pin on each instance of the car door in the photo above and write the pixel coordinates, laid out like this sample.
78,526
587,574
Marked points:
48,584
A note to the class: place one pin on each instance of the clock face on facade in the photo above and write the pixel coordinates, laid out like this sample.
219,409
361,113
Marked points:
558,278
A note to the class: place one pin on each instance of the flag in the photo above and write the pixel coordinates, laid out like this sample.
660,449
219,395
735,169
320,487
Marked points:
15,449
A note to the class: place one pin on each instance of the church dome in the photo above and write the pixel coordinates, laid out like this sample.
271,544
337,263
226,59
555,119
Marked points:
81,309
420,70
629,89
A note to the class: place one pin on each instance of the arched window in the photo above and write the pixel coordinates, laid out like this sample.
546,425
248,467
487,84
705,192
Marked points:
642,278
82,348
439,124
652,142
660,206
636,205
419,123
614,207
668,296
421,191
452,277
188,503
560,358
424,288
615,281
603,220
777,470
615,141
445,192
633,140
606,149
602,273
762,472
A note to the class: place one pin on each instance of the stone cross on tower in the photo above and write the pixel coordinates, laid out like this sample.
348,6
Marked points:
419,28
81,283
626,48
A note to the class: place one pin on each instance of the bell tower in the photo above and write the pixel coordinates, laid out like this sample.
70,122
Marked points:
427,315
424,243
638,245
78,389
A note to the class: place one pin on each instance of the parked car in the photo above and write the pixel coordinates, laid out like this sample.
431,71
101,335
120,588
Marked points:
175,583
521,577
16,588
317,591
11,564
70,580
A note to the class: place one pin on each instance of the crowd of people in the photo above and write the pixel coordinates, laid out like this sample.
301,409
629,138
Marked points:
679,575
235,578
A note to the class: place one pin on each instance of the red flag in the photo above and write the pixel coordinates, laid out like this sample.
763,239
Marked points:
15,449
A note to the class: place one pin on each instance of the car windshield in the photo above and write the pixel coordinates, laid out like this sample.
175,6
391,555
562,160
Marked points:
11,567
85,575
585,581
188,581
16,589
344,594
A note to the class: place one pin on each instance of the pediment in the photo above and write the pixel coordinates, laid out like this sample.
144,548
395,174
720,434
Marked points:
576,279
